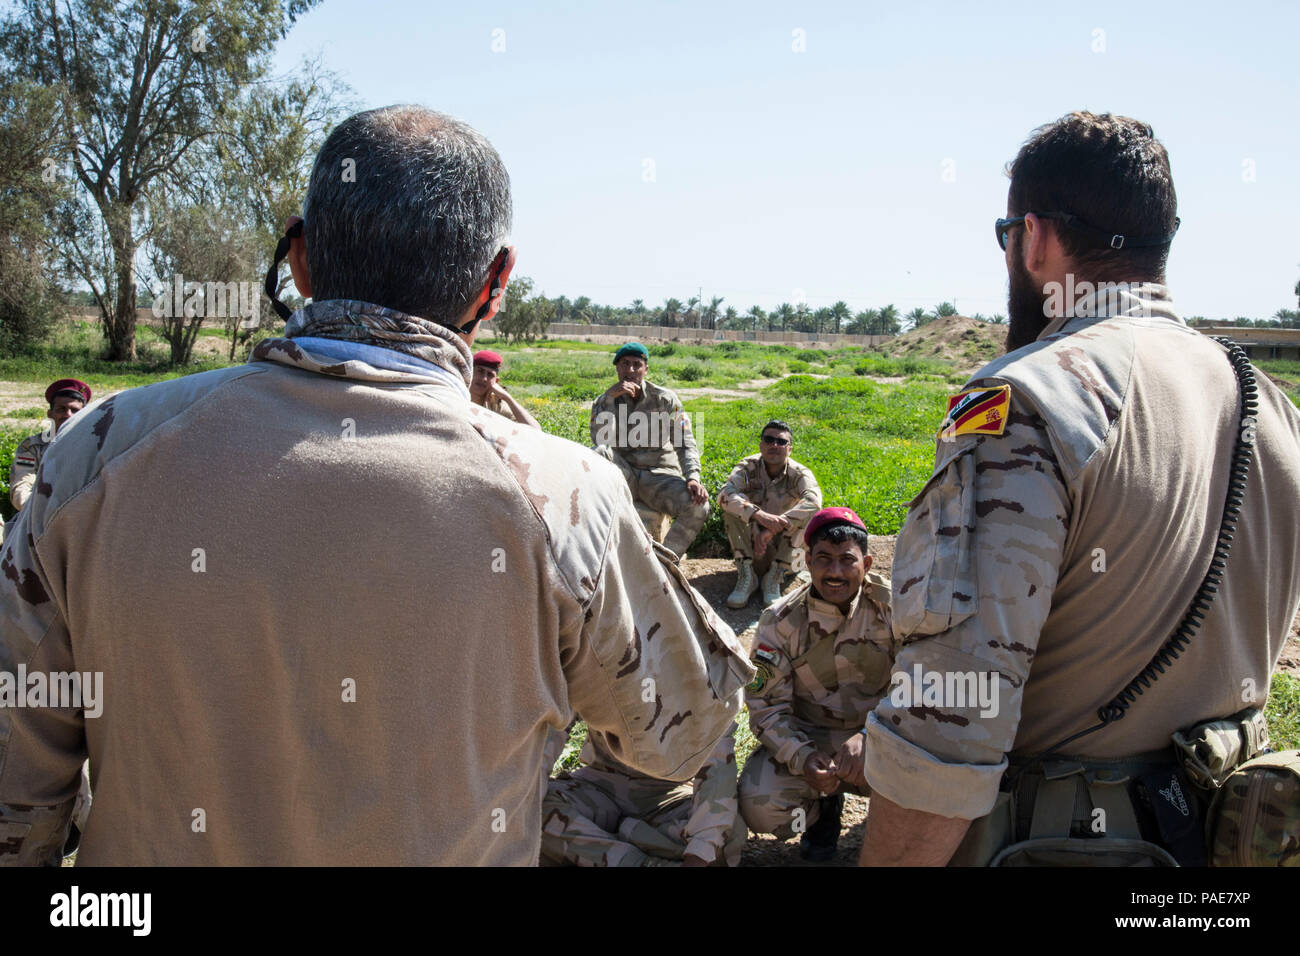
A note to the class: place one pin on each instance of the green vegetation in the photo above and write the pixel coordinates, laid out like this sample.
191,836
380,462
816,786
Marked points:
1283,712
870,442
10,436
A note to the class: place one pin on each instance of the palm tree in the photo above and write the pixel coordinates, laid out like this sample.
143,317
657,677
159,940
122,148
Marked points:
840,312
729,317
887,320
638,307
757,314
710,314
671,310
785,312
802,317
582,310
864,322
822,315
918,317
944,309
692,316
562,306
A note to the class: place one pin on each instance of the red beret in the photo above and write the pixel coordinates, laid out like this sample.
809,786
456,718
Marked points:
831,516
488,358
70,385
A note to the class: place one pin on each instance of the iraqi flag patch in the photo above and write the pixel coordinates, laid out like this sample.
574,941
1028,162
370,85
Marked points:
977,411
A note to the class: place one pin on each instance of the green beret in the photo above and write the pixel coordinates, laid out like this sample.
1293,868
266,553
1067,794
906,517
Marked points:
632,348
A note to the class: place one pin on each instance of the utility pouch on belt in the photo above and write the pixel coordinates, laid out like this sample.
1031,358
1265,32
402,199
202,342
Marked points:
1254,794
1210,752
1063,812
1255,816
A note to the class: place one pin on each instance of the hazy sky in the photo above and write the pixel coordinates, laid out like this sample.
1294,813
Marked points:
657,148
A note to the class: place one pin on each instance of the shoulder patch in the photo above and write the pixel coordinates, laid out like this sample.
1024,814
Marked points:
765,653
977,411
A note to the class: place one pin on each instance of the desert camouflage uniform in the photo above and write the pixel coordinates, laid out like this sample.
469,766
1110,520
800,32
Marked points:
22,473
1073,543
604,814
437,755
494,404
820,672
656,468
793,494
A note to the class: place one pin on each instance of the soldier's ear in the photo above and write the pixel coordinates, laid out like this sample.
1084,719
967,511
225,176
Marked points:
866,563
298,261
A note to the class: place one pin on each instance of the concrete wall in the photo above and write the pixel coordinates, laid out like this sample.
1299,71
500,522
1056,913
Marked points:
1261,343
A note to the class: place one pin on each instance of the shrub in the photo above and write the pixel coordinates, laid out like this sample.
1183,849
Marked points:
691,372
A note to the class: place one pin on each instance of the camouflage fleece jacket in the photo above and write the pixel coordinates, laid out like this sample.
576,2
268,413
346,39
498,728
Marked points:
357,601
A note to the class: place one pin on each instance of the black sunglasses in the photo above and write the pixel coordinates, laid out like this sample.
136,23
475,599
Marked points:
773,440
1103,237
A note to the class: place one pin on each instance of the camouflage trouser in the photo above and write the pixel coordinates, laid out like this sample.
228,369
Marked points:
594,818
785,549
666,493
773,800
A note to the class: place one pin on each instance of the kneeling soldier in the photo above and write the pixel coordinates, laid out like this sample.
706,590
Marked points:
823,654
766,502
604,814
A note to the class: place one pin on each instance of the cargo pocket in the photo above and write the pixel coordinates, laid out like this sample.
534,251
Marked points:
935,585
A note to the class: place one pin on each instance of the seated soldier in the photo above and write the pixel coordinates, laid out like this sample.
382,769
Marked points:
604,814
66,397
485,390
824,654
767,500
642,428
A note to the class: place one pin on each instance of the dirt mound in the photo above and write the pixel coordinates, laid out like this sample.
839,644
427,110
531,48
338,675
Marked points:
966,343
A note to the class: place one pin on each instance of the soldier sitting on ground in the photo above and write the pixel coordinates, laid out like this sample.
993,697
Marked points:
642,428
605,814
767,500
823,655
486,390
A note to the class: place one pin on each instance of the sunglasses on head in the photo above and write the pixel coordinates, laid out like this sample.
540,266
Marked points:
774,440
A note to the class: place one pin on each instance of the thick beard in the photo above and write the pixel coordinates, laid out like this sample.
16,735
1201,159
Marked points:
1025,319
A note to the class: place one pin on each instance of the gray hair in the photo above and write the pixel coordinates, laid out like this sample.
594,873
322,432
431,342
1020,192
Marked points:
406,209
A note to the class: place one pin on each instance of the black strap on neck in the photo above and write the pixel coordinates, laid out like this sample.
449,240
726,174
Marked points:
273,274
1242,455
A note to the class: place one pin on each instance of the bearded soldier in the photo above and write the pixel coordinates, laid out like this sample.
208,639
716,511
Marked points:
1063,545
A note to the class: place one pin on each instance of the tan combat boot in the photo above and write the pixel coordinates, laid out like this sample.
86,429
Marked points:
746,584
772,581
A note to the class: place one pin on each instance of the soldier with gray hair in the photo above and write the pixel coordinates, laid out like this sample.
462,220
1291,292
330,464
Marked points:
364,668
